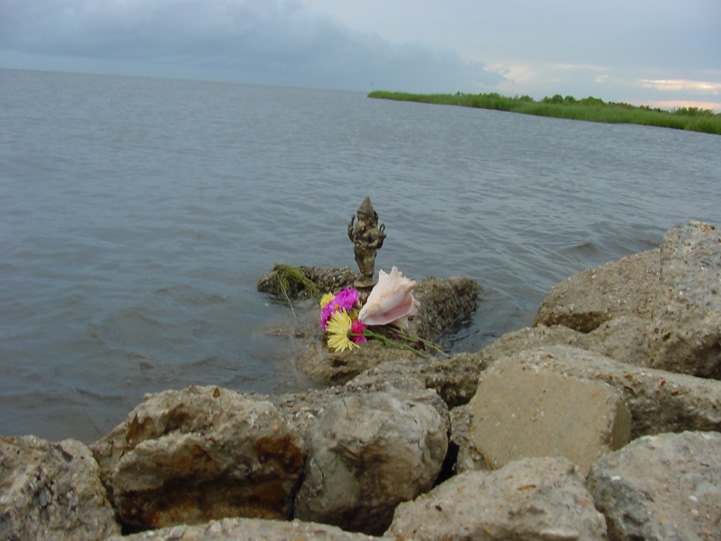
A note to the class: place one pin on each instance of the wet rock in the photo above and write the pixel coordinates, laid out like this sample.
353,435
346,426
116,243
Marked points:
661,487
183,457
443,304
533,498
367,453
626,287
659,401
250,529
51,491
520,412
304,281
687,318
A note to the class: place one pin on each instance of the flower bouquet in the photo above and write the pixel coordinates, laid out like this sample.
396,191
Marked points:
384,316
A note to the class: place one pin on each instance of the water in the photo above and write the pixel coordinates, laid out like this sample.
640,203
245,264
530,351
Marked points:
136,216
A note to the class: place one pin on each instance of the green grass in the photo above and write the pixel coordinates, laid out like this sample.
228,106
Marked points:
590,109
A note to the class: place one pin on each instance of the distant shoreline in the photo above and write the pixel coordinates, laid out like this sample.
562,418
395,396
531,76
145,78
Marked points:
589,109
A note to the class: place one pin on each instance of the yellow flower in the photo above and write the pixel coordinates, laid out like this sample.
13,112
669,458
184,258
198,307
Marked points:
338,330
325,299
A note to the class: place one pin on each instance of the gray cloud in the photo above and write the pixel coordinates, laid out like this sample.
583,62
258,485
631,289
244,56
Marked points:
259,41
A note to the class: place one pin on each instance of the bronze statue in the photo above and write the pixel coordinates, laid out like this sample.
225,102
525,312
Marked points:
367,238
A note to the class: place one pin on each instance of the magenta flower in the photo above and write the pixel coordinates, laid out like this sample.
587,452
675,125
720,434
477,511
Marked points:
357,327
343,300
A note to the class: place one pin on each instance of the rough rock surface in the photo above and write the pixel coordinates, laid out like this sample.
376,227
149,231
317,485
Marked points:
250,529
532,498
659,401
687,318
51,491
367,453
520,412
324,278
661,487
621,338
453,377
443,303
626,287
183,457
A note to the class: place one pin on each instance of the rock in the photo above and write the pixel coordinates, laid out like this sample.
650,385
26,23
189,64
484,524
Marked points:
661,487
443,304
687,318
183,457
532,498
367,453
320,364
626,287
250,529
659,401
519,412
453,377
303,281
514,342
51,491
621,338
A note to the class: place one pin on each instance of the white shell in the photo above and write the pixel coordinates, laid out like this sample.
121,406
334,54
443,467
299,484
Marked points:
390,301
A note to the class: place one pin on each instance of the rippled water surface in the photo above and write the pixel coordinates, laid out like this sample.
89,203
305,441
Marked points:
136,216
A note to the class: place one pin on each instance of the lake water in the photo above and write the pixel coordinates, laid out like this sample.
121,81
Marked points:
137,214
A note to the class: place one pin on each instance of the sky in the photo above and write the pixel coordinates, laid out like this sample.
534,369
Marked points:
663,53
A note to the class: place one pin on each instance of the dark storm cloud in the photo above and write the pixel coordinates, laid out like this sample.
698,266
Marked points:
266,41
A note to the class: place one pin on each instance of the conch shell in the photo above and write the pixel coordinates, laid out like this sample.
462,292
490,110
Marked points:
390,301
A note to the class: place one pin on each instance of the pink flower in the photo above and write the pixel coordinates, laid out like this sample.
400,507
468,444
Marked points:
357,327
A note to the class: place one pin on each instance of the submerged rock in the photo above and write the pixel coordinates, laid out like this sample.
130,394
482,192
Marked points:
51,491
302,281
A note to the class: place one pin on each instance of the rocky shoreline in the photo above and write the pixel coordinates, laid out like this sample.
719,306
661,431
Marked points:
601,421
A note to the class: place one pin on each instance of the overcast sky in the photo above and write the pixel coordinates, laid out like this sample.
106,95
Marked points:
656,52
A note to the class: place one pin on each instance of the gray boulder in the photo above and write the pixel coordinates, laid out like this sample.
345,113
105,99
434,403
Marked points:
518,413
661,487
626,287
51,491
250,529
622,338
659,401
530,499
686,335
184,457
368,452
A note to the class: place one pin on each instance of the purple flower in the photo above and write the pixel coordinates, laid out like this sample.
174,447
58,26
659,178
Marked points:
344,300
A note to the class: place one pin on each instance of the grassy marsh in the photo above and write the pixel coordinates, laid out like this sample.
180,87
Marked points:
590,109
